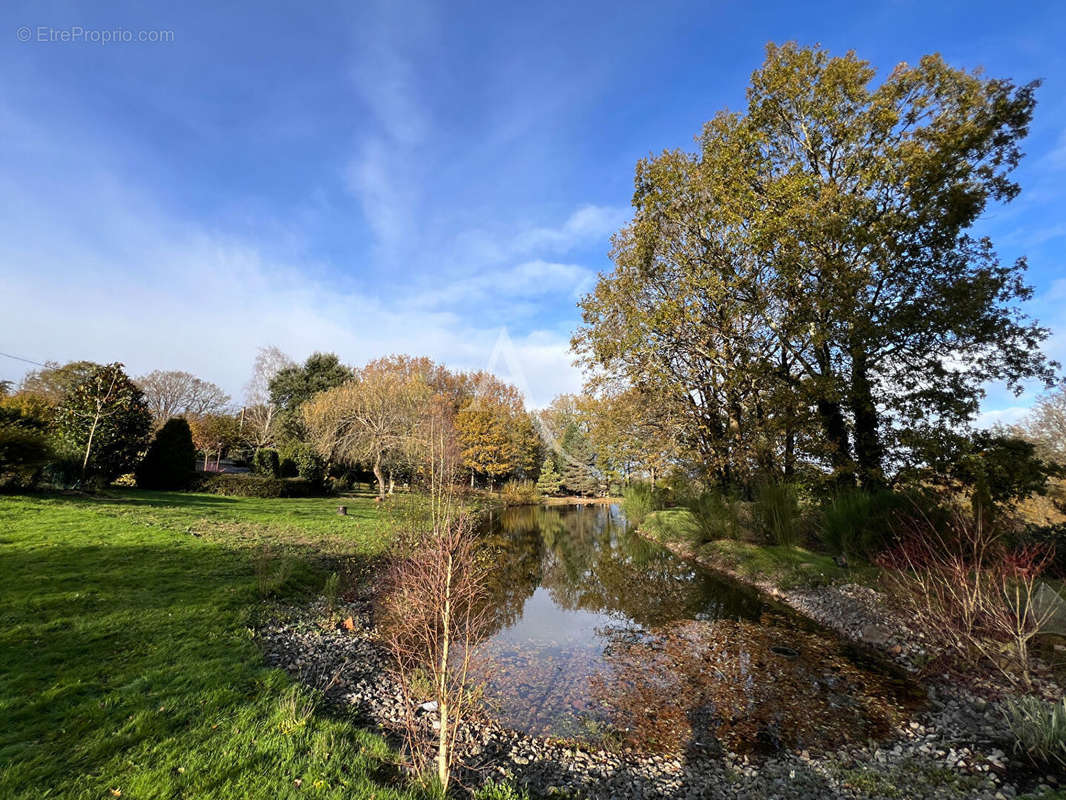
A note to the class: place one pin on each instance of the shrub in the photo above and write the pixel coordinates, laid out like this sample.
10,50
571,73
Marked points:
243,485
519,493
24,449
640,499
63,471
171,459
499,791
272,572
776,513
717,514
858,524
970,591
300,460
266,462
1039,729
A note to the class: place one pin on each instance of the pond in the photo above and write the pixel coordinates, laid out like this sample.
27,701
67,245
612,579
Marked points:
604,637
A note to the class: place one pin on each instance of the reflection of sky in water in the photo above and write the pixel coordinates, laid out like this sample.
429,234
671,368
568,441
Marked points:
543,622
597,620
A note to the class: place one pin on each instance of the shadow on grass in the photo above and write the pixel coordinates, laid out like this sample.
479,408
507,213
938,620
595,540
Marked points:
129,664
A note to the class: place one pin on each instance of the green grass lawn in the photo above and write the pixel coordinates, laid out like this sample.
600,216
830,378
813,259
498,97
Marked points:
127,661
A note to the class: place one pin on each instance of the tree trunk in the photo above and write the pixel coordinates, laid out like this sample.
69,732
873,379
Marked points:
868,451
442,680
392,482
837,433
379,477
89,444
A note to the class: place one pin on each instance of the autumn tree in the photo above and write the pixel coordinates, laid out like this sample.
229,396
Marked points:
294,385
495,434
105,419
172,393
213,435
629,434
812,265
368,419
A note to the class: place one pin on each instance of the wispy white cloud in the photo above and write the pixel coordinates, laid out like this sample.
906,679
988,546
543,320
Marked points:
588,223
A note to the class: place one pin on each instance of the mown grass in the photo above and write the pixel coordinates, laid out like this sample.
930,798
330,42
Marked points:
129,666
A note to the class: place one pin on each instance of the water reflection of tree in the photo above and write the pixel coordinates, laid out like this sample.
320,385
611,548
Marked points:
593,563
515,550
697,686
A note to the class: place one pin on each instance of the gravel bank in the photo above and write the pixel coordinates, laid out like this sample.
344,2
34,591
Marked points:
956,748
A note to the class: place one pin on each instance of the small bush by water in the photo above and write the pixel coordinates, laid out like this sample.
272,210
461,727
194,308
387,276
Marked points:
519,493
776,513
1039,728
640,499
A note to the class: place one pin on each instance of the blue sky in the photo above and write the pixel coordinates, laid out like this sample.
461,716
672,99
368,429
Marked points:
412,177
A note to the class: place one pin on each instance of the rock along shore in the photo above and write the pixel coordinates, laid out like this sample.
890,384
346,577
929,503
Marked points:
956,748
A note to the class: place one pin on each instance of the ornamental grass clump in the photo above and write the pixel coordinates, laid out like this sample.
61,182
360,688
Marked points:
1039,729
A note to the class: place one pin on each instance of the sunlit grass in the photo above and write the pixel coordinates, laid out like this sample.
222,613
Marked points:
129,663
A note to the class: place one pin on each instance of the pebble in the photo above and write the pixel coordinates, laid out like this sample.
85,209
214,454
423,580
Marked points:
350,667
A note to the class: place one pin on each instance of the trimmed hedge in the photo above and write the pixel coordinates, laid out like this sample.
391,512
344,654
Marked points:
243,485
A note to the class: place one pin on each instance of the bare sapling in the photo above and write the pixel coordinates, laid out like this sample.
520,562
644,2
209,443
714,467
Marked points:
432,615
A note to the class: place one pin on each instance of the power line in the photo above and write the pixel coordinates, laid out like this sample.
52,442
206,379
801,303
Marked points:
20,358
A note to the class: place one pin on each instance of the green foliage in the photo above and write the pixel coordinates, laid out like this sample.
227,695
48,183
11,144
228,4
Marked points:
492,790
776,513
171,458
24,448
299,459
272,572
580,477
859,524
639,499
266,462
1039,728
717,514
331,591
104,418
791,292
550,481
243,485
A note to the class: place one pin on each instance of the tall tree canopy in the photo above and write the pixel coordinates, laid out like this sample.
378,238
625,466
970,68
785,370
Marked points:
806,284
171,393
369,419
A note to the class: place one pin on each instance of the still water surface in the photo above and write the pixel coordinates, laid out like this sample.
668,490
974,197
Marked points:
602,636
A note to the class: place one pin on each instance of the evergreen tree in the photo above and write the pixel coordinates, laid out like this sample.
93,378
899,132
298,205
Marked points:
580,477
171,458
105,420
550,481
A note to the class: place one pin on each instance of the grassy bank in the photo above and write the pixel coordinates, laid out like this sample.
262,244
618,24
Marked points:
783,567
129,665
